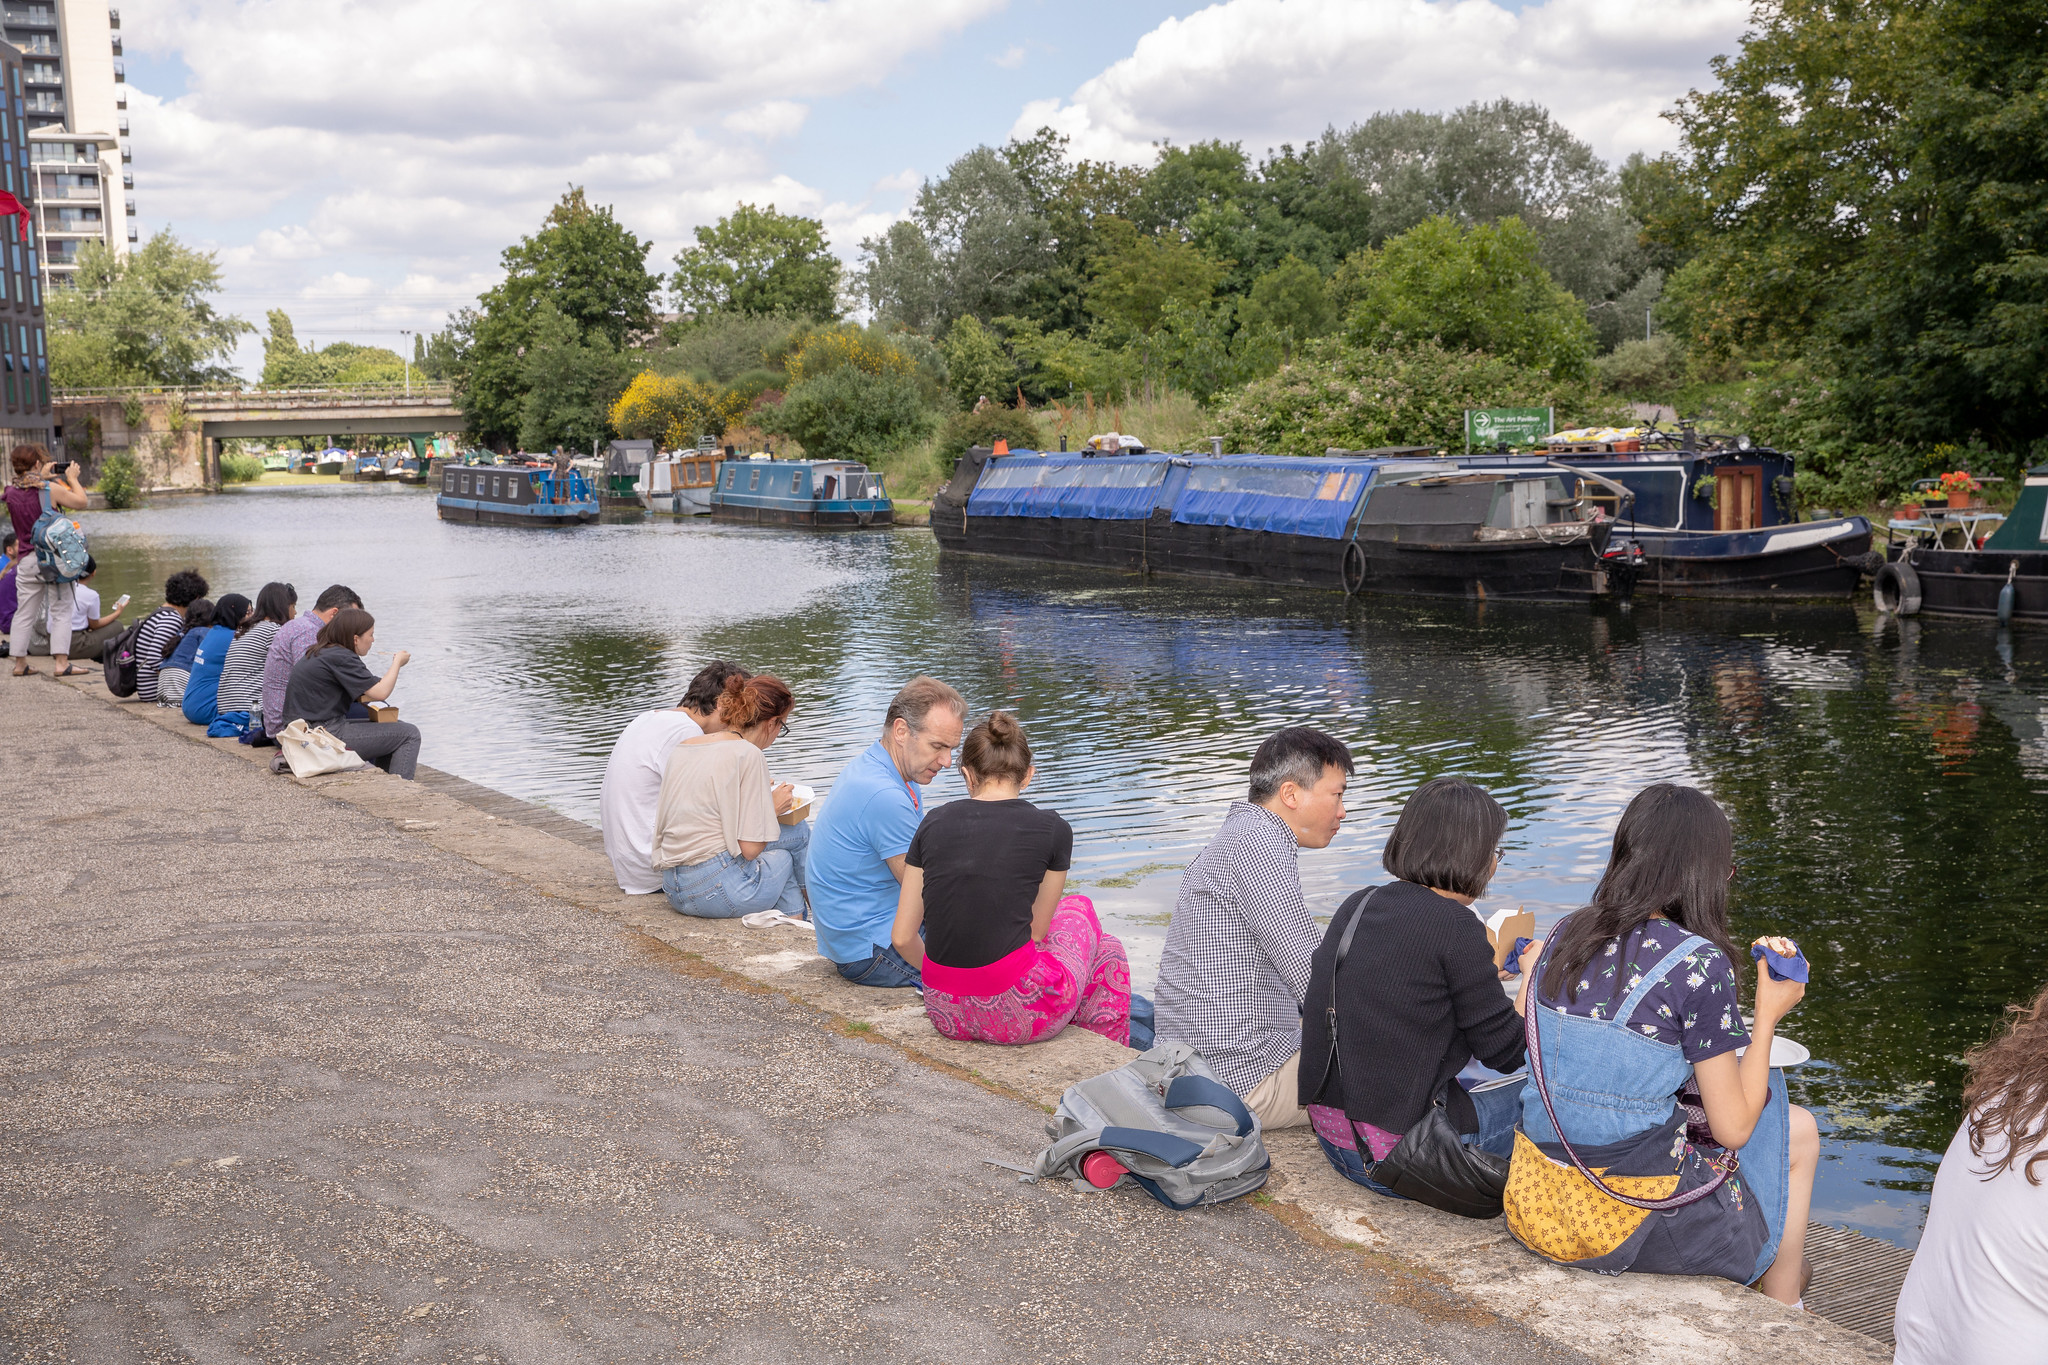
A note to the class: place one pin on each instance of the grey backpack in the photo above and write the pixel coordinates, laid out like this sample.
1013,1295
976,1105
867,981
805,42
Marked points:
1182,1135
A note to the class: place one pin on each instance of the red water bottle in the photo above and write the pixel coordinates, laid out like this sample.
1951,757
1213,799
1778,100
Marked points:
1102,1170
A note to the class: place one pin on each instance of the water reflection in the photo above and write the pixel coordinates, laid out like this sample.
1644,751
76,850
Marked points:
1887,781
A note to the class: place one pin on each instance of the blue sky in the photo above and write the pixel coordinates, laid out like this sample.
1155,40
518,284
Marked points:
362,164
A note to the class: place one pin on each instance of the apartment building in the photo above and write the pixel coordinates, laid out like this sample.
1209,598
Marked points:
24,345
75,101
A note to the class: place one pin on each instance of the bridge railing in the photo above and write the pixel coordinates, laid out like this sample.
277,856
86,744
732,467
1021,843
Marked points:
258,394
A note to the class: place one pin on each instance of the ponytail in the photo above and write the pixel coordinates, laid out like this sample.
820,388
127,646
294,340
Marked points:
997,749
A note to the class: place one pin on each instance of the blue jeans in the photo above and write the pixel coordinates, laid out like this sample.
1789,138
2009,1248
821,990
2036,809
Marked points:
1142,1036
726,887
887,968
1498,1109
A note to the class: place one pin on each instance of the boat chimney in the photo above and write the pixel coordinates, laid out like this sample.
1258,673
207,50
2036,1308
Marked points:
1216,446
1063,443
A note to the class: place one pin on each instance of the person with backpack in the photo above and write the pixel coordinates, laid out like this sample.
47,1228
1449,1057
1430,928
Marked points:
34,499
1004,955
90,631
1646,1144
201,699
1403,996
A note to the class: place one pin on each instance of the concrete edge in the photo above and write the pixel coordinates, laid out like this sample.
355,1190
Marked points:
1653,1320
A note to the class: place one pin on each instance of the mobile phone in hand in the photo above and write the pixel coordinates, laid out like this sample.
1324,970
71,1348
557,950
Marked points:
120,603
58,469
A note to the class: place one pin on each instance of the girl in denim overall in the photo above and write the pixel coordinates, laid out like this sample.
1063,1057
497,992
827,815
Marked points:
1635,997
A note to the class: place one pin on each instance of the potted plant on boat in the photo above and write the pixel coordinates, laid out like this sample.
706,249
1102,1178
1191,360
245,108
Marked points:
1960,490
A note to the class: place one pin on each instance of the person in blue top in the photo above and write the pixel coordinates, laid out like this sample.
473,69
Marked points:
864,830
200,700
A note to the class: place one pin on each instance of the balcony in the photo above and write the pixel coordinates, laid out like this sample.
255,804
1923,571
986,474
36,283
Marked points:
114,20
117,44
123,124
126,156
38,74
131,208
133,235
43,102
127,180
120,72
35,16
40,45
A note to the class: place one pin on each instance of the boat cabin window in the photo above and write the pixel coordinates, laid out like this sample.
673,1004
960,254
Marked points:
1660,495
1738,498
753,480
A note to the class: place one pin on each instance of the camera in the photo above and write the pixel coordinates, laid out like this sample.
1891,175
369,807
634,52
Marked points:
59,469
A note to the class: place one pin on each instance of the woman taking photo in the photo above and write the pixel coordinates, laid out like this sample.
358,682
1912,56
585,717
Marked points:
1417,998
332,677
718,844
1636,997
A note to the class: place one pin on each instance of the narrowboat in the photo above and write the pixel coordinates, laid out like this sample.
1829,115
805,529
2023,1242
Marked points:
624,472
828,494
407,469
680,485
494,495
330,461
1715,517
363,469
2006,578
277,462
1392,521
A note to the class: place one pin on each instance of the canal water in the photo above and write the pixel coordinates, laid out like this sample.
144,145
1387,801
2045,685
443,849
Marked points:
1888,781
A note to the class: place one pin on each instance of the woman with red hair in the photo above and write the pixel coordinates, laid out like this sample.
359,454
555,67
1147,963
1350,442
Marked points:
718,842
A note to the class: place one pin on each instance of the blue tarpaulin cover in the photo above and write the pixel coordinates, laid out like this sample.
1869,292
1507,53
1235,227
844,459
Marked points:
1303,497
1118,488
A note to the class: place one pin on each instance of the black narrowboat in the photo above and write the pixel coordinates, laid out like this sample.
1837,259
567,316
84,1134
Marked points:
1393,521
2005,579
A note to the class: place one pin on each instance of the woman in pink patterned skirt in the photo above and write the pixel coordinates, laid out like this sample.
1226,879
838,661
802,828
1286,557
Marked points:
1006,958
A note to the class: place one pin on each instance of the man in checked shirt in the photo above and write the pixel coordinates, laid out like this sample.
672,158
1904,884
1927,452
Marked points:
1235,967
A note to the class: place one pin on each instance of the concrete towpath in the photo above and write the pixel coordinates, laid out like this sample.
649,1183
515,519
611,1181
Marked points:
283,1082
368,1069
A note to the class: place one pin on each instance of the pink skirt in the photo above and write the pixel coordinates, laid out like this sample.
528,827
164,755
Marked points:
1079,975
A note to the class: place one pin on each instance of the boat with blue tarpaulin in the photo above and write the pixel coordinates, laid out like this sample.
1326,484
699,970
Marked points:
1398,520
513,495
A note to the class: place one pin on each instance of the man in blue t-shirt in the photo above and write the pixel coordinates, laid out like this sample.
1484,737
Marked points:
855,863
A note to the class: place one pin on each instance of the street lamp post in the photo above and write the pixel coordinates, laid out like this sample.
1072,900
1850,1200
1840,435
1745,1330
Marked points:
406,356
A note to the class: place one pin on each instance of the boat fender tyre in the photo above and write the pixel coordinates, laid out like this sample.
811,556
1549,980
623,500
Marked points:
1897,589
1354,567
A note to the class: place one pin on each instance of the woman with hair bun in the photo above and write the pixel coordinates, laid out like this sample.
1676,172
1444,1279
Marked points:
718,842
1005,957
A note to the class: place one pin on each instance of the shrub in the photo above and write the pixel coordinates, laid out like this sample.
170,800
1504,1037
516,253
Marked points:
1357,399
965,429
1648,370
120,481
238,468
849,414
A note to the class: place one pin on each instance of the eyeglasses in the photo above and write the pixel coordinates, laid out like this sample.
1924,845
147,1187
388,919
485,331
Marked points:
1500,855
783,731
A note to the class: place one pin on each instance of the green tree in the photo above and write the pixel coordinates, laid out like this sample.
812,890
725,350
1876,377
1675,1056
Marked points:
286,365
1357,399
977,367
974,243
850,414
144,318
582,265
1292,303
759,262
1473,289
571,380
1140,273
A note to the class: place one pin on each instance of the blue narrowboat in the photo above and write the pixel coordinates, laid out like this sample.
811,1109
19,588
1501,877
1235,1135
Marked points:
498,495
828,494
1394,521
1715,517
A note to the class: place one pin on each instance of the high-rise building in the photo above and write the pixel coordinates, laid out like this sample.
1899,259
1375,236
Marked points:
24,346
75,103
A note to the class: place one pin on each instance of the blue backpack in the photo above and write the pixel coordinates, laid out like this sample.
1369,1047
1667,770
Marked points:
59,544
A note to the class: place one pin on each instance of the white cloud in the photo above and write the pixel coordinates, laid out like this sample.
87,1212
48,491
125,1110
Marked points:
1272,71
1011,58
390,141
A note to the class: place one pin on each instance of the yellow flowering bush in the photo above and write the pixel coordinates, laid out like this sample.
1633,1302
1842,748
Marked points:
840,348
675,409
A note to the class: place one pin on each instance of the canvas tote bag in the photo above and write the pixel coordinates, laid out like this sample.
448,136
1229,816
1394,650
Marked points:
312,751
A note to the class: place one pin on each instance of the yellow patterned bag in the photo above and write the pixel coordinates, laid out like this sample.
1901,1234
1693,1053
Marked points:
1559,1214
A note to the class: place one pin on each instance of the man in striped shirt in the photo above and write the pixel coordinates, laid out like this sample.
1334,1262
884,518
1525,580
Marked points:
163,628
1235,967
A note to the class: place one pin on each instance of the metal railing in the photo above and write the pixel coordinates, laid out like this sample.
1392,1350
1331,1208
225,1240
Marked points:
44,16
256,393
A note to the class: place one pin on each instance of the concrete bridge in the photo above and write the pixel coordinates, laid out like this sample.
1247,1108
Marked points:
175,434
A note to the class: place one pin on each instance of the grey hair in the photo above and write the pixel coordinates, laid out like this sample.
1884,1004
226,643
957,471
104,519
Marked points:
917,699
1298,755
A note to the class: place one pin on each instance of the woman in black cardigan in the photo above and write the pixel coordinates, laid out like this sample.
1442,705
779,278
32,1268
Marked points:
1418,997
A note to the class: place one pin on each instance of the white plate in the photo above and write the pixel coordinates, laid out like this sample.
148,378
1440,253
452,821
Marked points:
1784,1052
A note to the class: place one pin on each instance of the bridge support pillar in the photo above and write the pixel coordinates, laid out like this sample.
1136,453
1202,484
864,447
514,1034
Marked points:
209,462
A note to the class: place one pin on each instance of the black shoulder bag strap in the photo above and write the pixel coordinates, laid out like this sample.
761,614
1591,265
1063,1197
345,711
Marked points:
1355,903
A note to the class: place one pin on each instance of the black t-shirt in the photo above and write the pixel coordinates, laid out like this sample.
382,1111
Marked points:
983,862
324,685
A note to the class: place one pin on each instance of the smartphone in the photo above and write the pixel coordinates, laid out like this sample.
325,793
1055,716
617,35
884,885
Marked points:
121,602
58,469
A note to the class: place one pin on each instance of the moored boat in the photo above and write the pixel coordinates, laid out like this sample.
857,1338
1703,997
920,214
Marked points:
330,461
826,494
1715,517
679,485
362,469
494,495
1394,521
2006,578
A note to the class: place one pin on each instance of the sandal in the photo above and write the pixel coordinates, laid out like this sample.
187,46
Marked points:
69,671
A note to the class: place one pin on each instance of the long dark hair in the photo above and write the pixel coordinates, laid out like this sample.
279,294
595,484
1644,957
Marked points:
1672,854
274,602
2007,1094
343,629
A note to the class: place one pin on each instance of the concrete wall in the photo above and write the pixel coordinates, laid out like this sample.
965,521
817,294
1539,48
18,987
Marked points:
165,441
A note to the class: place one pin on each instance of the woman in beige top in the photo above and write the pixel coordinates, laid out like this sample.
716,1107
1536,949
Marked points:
718,845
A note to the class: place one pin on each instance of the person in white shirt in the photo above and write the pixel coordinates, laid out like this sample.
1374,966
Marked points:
1978,1289
631,793
90,631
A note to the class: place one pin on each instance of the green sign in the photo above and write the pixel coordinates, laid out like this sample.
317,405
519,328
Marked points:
1489,427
